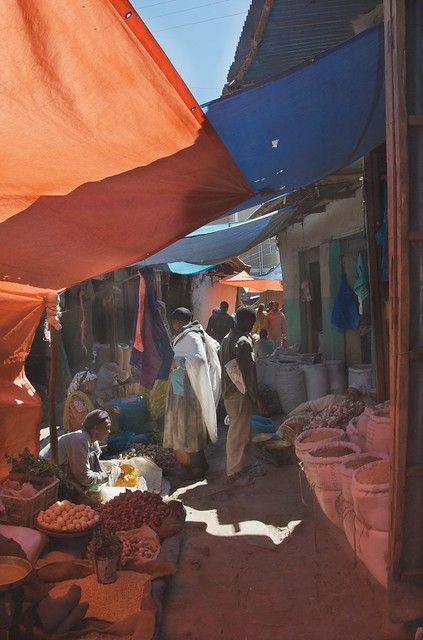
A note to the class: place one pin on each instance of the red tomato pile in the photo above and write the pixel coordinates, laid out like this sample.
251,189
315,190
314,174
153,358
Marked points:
132,509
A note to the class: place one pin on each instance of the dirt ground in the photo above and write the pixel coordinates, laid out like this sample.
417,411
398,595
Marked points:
258,564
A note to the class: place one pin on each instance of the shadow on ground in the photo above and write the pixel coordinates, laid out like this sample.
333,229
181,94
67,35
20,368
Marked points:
262,563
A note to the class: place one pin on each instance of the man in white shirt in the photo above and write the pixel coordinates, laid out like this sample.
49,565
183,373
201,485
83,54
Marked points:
79,451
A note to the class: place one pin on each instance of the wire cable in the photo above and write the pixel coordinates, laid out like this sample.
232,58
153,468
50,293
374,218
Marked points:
156,4
188,24
172,13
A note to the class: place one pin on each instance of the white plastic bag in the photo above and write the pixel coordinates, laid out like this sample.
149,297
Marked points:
234,372
148,470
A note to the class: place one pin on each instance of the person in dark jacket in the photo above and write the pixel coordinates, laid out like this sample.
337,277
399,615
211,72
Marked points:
220,323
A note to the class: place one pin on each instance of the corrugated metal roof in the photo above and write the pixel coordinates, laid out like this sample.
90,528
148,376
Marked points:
295,31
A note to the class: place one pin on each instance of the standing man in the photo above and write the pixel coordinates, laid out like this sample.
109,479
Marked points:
276,324
220,322
238,346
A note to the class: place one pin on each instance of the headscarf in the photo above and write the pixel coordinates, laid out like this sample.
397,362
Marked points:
79,379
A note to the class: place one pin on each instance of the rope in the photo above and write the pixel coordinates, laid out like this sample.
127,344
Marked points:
53,311
83,321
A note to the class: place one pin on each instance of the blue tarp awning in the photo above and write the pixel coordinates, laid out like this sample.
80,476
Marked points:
217,246
310,122
290,132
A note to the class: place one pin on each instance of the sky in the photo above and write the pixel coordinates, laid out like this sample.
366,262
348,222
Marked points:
203,52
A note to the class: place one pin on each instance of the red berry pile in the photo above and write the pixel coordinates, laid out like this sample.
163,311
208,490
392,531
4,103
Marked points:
132,509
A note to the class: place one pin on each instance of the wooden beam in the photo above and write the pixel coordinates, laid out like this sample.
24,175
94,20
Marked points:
374,211
415,236
52,387
398,220
341,177
255,40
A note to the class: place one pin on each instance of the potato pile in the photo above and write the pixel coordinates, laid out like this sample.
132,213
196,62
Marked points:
68,517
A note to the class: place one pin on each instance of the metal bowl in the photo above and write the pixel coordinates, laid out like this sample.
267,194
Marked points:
21,571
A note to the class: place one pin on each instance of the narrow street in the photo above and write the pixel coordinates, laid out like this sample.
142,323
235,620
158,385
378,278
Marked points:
257,564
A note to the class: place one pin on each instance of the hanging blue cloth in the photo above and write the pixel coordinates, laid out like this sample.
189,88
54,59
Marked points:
381,237
345,313
153,356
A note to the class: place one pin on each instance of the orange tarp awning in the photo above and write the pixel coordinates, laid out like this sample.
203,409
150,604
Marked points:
21,309
107,157
246,281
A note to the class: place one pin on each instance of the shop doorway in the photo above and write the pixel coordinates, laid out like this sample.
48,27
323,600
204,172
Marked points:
313,305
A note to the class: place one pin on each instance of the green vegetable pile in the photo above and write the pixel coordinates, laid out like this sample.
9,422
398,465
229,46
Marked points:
29,465
104,542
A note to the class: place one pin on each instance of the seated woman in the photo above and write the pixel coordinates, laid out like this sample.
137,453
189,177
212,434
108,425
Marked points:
79,451
80,400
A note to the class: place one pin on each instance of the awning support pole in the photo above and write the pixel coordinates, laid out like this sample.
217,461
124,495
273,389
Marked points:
52,386
53,315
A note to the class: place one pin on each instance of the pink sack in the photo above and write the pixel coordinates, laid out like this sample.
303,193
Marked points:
348,522
370,493
372,549
354,435
355,462
369,545
311,438
330,504
323,464
378,433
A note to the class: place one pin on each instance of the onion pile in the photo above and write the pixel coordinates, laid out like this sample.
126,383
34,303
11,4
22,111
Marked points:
338,415
68,517
132,509
137,550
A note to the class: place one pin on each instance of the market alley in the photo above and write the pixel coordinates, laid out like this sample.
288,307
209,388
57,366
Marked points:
258,564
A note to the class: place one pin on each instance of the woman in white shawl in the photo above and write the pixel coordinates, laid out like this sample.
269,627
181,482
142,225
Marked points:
190,418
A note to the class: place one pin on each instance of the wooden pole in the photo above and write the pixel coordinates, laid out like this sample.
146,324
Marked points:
374,217
111,319
52,385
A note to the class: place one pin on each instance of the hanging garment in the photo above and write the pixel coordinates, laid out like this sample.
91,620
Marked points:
152,353
361,284
345,313
381,237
